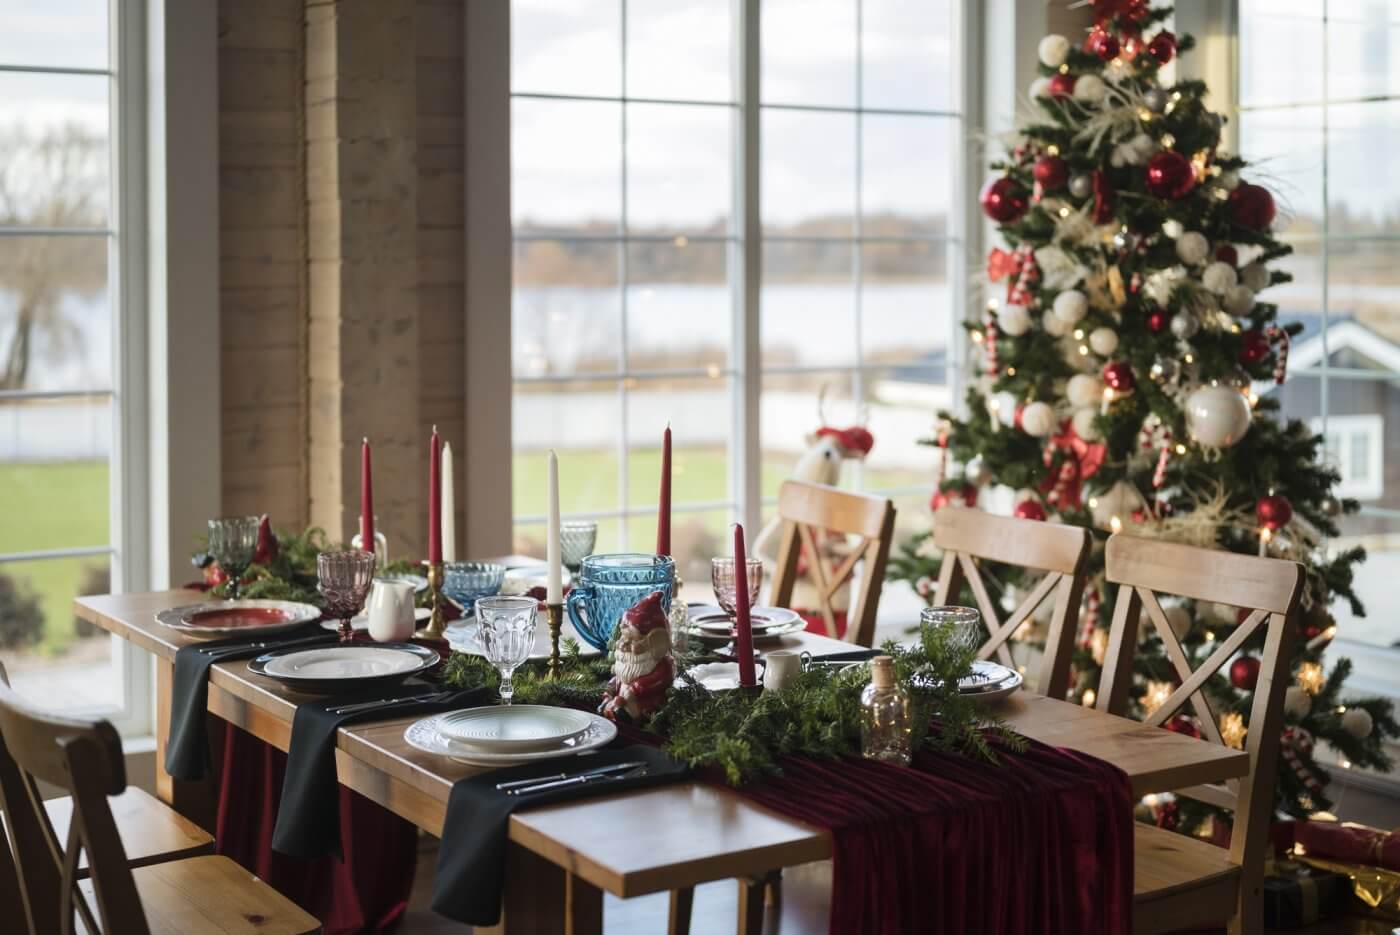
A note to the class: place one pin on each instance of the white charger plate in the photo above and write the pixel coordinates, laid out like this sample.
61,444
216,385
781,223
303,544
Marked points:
514,728
222,618
329,663
710,623
989,681
361,621
425,735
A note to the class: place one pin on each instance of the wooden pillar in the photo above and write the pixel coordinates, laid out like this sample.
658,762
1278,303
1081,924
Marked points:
362,227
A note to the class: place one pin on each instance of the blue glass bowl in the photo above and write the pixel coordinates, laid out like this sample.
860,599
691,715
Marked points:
464,582
609,584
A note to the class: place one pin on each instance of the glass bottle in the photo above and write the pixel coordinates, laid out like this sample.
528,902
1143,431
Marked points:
381,547
679,620
885,720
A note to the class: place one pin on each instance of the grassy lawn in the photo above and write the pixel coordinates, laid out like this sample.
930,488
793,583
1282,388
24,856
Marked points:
52,506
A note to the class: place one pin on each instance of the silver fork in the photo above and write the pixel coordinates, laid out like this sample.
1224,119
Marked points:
367,705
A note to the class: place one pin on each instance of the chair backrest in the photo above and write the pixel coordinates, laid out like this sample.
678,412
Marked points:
84,757
1270,589
806,510
966,536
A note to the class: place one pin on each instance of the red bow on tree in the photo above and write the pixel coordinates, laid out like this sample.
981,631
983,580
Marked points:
1019,268
1080,461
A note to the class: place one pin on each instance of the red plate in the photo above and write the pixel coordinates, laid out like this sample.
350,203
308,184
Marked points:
237,618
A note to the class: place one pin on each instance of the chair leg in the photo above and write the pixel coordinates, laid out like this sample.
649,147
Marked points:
682,902
1249,912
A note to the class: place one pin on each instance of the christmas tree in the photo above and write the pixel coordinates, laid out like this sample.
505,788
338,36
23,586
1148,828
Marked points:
1122,368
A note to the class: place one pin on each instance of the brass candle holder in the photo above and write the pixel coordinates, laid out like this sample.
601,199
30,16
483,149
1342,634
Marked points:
437,623
554,616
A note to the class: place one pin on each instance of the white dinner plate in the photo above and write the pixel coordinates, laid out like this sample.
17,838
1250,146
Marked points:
714,676
425,735
710,623
989,681
461,637
513,728
361,621
223,618
328,663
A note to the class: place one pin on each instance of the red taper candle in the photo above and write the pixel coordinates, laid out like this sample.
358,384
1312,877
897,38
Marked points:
366,500
663,511
435,498
743,626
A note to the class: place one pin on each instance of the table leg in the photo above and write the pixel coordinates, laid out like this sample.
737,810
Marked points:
542,898
198,801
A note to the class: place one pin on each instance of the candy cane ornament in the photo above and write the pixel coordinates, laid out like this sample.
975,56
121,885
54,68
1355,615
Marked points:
993,365
1278,336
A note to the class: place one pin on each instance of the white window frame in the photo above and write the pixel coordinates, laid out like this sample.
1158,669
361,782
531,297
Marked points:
1343,430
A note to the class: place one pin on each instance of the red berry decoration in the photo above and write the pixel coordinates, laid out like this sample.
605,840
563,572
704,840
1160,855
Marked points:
1254,347
966,495
1119,376
1274,511
1051,172
1003,200
1158,319
1181,724
1252,206
1244,673
1162,47
1227,254
1171,175
1061,85
1030,509
1103,44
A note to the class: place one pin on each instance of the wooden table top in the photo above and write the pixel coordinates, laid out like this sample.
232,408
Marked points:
719,834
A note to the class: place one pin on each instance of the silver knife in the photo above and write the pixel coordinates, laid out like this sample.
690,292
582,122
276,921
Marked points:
520,785
638,769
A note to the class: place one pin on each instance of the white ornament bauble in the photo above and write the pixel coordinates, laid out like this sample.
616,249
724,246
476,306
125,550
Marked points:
1217,416
1179,618
1229,180
1084,389
1038,419
1053,50
977,471
1358,723
1103,341
1014,320
1185,326
1192,247
1297,702
1071,305
1058,269
1090,89
1219,277
1055,326
1119,502
1223,614
1238,300
1172,228
1084,425
1255,276
1039,88
1002,406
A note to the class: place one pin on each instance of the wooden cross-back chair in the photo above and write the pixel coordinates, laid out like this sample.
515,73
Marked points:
1181,882
806,510
966,536
83,756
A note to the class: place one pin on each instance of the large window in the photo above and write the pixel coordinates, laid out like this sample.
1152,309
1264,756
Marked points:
1319,102
633,186
61,330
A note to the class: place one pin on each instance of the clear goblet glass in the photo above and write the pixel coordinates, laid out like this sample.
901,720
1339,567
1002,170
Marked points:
232,542
506,631
344,579
726,590
576,541
963,624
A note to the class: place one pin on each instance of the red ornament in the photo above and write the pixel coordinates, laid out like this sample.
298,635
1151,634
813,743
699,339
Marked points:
1103,198
1170,175
966,495
1227,254
1158,319
1244,673
1119,376
1162,47
1062,85
1274,511
1181,724
1252,206
1254,347
1051,172
1103,44
1030,509
1003,200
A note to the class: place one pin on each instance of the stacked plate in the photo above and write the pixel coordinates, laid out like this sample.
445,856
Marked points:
344,667
710,624
500,735
222,618
989,681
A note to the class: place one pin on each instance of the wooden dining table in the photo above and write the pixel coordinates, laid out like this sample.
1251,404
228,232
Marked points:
563,857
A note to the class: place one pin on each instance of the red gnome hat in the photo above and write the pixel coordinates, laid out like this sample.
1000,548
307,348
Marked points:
646,615
855,441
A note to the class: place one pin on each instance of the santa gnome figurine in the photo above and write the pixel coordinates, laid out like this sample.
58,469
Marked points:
642,666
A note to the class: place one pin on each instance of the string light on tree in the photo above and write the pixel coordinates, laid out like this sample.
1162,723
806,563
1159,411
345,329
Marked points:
1232,730
1310,677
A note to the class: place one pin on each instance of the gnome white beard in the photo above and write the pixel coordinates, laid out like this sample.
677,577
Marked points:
636,655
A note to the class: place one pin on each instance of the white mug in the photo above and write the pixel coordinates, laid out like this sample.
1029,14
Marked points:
391,611
780,668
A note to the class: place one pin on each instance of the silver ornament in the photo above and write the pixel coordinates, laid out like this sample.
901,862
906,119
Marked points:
1155,99
977,471
1185,326
1081,186
1330,506
1165,370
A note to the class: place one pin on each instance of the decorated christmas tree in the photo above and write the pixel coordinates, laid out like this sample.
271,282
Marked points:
1123,366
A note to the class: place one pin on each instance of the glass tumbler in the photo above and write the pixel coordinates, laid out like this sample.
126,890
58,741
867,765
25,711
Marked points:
964,625
506,631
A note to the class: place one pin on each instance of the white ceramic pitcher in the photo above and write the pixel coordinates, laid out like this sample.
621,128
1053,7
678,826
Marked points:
391,611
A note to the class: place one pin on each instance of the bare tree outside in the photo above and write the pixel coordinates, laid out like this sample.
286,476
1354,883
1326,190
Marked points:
50,178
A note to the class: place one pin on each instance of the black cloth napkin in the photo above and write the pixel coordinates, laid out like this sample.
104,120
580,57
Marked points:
187,747
308,818
471,862
853,655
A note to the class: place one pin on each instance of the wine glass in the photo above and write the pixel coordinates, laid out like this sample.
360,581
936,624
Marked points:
344,578
726,590
506,631
232,542
576,541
